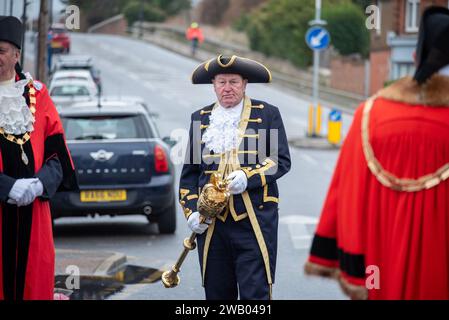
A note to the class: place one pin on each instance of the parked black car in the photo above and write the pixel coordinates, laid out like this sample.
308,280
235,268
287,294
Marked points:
123,166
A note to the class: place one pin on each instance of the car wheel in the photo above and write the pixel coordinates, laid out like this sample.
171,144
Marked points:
167,220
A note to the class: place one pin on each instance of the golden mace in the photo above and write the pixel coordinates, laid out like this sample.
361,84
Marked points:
213,199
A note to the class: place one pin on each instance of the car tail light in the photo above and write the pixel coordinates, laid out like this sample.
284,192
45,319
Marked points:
160,159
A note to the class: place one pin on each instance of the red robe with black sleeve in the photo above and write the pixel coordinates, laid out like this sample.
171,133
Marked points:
384,227
27,254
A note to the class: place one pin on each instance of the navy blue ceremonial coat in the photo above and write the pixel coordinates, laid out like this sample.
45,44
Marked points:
263,155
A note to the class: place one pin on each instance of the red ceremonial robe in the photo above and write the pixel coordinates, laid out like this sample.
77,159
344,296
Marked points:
27,254
383,238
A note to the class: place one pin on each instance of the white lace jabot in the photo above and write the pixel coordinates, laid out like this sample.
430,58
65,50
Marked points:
15,116
222,133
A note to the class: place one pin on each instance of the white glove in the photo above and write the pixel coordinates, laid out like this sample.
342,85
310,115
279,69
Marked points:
238,183
24,191
38,188
195,225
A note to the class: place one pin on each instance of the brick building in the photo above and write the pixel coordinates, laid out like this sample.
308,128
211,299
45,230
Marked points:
393,44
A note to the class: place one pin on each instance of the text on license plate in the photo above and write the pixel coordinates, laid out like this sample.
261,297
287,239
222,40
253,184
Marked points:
55,44
102,195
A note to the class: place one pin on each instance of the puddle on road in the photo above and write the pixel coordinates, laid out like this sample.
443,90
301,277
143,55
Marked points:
101,287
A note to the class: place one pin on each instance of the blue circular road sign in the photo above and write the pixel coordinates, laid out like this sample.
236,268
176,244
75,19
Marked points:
318,38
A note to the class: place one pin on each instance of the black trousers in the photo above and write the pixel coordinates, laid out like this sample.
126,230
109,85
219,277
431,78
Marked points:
235,265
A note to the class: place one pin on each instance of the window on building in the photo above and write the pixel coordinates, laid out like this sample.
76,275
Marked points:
412,15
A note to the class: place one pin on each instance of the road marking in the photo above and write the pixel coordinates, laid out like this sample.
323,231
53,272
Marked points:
308,159
112,263
300,228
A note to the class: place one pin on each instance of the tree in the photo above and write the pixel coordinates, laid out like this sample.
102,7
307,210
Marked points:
363,3
278,28
95,11
42,41
172,7
150,12
211,11
346,24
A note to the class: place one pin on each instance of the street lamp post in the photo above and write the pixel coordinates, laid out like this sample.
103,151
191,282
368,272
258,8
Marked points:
42,41
317,39
50,12
316,64
24,21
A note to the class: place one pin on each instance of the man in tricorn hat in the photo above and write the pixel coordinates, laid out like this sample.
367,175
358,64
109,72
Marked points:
244,140
384,227
34,164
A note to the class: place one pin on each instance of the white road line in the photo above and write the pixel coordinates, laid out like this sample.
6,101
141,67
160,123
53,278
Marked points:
308,159
299,228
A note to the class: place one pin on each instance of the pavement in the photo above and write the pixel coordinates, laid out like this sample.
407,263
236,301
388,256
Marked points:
320,143
96,263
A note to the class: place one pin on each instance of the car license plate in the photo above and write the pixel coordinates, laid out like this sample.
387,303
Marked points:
55,44
102,195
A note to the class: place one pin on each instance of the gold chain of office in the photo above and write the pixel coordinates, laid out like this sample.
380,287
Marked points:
26,136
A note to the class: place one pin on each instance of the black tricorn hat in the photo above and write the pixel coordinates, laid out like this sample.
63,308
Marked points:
250,70
432,51
11,30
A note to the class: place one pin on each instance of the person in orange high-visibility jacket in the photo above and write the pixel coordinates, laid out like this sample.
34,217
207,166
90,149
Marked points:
195,35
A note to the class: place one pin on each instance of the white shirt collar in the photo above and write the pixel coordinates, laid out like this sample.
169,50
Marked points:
8,82
236,109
